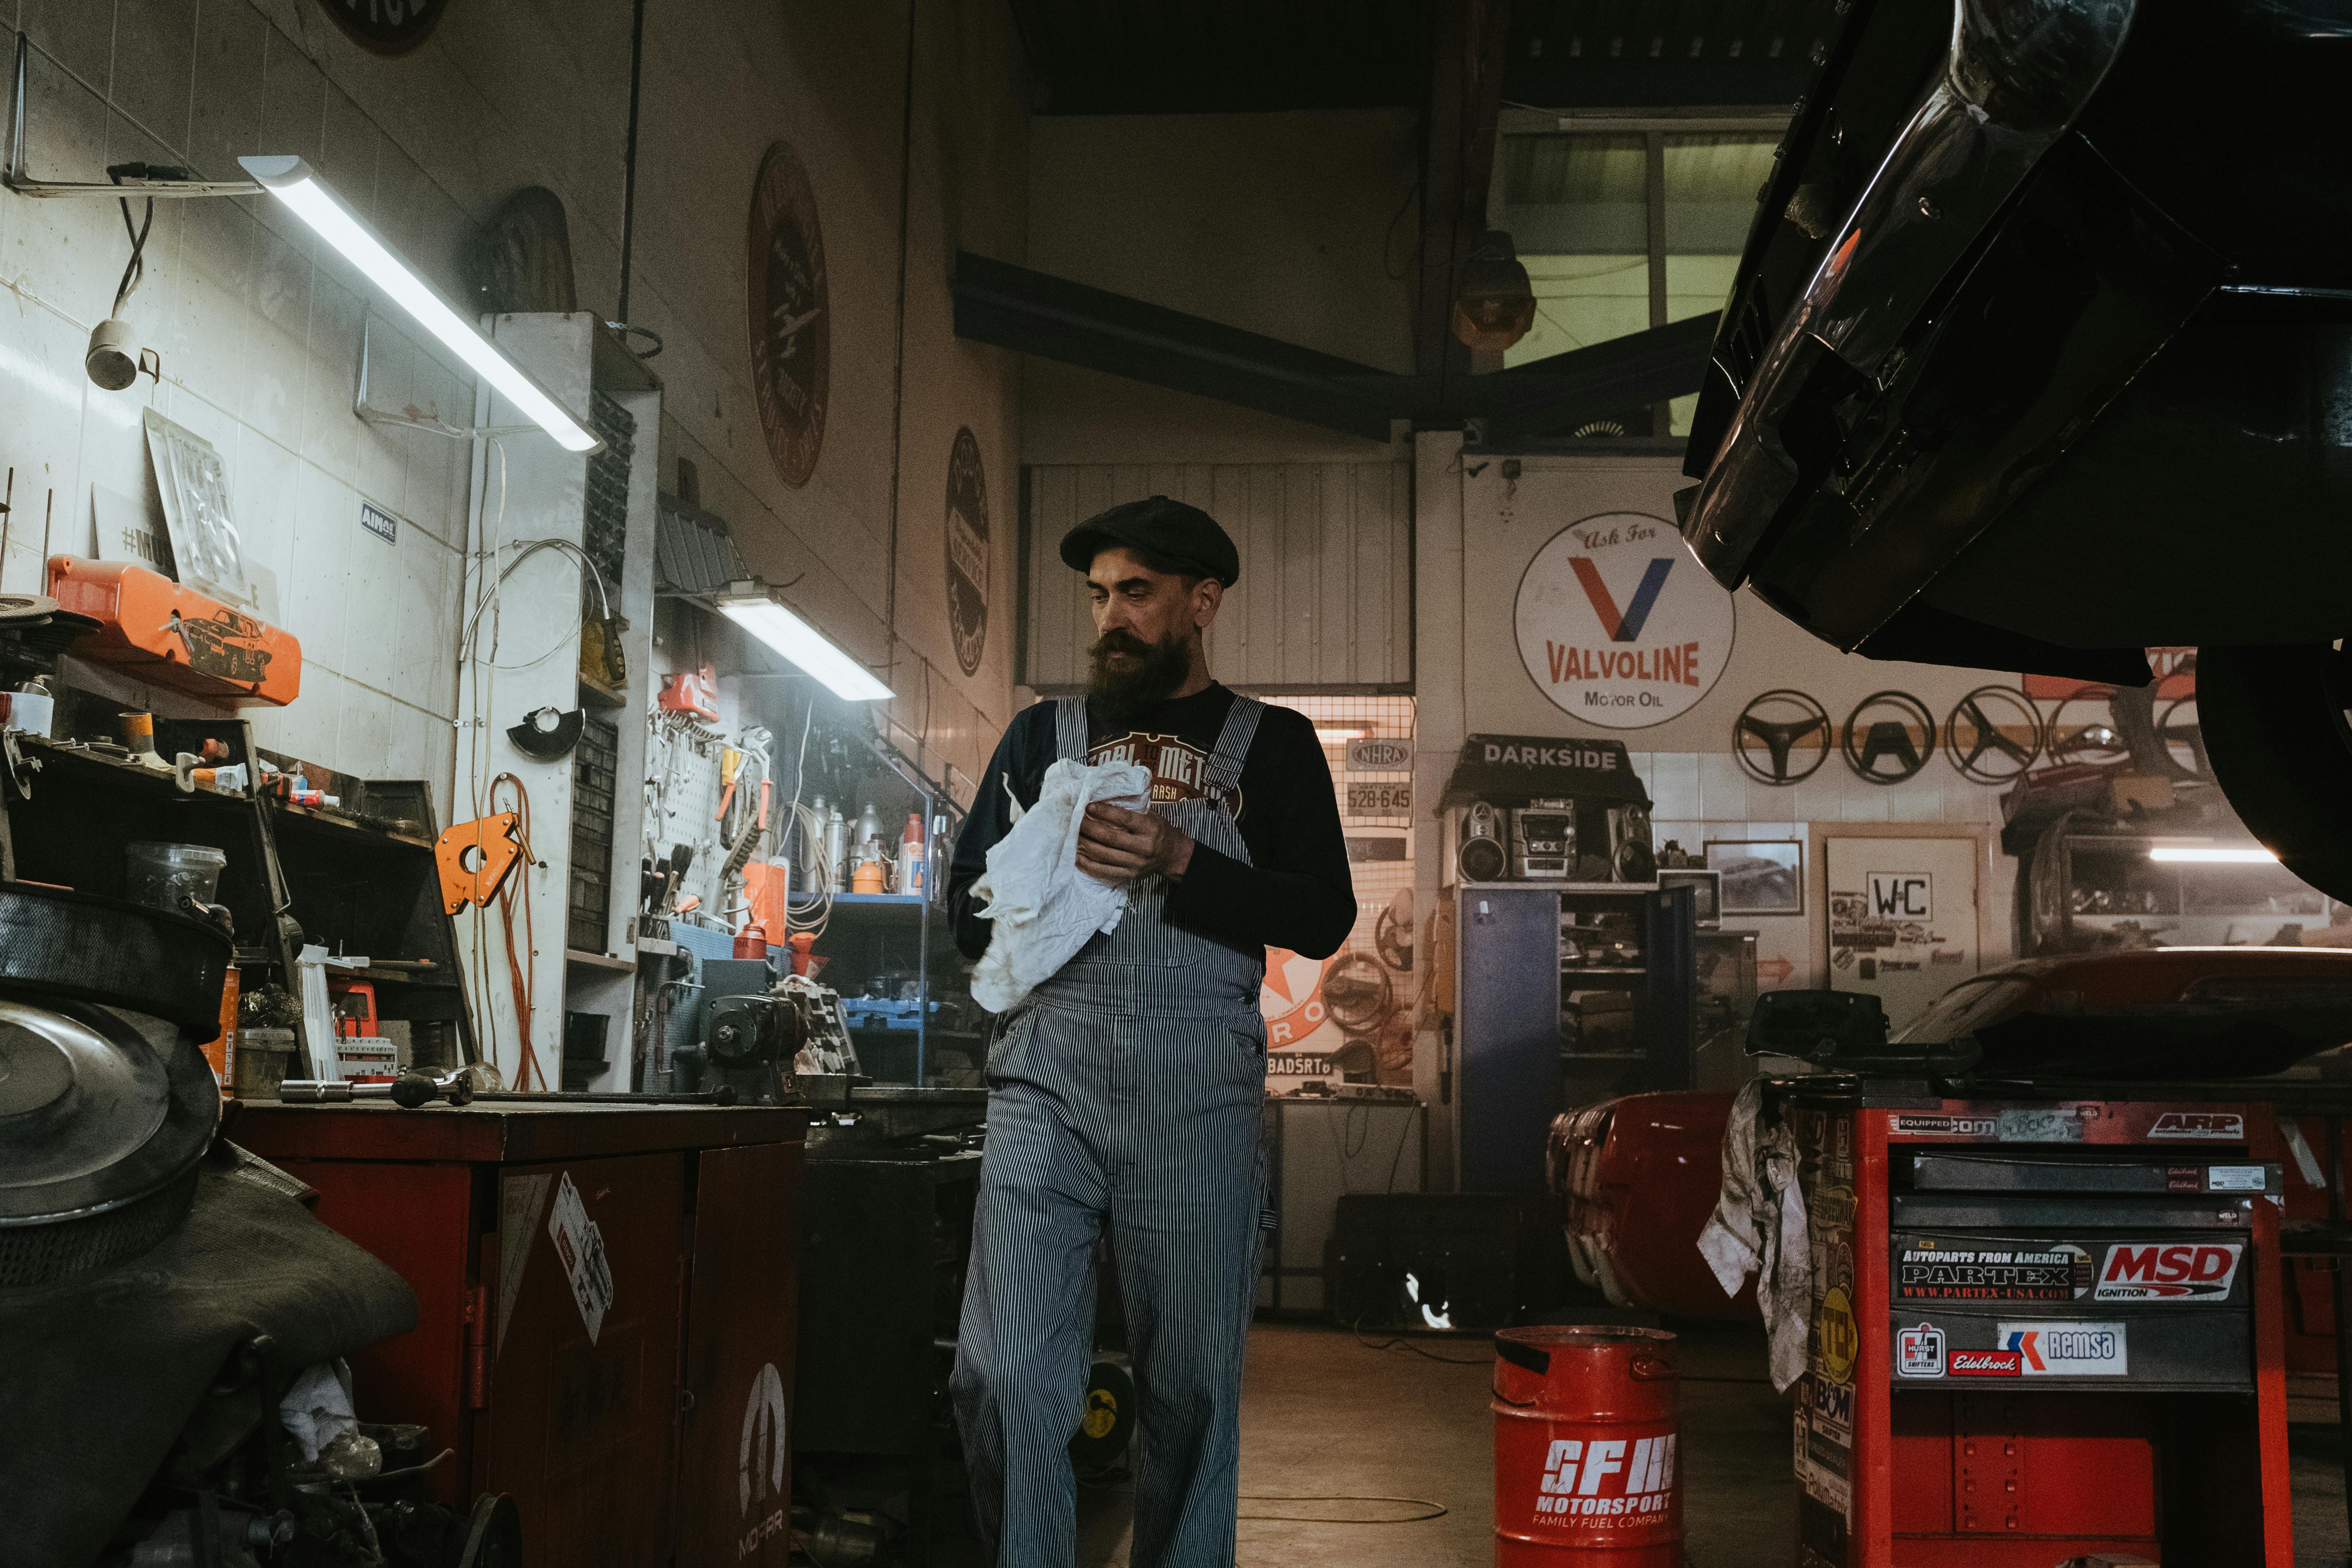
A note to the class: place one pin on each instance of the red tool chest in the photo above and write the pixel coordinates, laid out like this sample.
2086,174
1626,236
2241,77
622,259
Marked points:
2041,1329
606,1308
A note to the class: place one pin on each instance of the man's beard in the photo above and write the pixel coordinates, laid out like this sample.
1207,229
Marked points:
1145,675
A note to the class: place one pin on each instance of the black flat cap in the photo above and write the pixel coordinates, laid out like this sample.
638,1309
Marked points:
1167,533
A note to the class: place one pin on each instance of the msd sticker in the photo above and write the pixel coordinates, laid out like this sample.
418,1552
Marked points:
2064,1350
1919,1352
2157,1271
2223,1127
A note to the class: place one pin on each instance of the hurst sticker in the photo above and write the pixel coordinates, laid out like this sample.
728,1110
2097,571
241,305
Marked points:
1919,1352
2064,1350
1606,1479
2160,1271
2028,1271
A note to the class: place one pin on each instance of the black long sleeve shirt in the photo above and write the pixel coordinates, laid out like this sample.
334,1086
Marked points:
1295,893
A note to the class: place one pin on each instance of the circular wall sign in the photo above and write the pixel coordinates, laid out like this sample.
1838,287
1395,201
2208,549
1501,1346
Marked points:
967,551
792,335
386,26
1617,624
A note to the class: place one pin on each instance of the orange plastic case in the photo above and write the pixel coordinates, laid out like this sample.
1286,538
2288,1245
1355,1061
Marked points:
159,631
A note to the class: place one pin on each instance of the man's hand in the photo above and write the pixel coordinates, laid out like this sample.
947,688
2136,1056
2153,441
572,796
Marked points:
1116,845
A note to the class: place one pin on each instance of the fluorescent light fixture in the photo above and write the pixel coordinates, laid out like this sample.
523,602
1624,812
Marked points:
293,181
2206,855
751,606
1338,737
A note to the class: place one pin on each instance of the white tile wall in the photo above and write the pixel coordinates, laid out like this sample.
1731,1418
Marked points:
258,340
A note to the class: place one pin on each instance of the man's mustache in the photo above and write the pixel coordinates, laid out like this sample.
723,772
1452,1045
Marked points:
1119,639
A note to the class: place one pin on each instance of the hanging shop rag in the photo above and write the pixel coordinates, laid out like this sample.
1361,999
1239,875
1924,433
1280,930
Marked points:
1758,1228
1045,908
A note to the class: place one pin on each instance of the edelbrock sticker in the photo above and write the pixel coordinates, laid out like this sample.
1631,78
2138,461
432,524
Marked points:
2065,1349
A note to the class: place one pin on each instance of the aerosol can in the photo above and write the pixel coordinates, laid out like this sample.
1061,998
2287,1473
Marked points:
836,849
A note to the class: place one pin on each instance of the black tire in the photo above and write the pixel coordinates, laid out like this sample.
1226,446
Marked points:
2275,733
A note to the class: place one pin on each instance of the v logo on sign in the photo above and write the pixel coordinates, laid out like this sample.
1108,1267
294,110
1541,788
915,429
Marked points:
1623,626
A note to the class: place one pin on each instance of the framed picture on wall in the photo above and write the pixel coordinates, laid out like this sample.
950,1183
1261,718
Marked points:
1760,876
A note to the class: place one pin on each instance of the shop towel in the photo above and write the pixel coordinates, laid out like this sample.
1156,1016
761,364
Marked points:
1758,1227
1045,908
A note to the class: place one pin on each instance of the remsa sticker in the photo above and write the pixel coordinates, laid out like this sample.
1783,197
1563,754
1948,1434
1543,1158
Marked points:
2065,1349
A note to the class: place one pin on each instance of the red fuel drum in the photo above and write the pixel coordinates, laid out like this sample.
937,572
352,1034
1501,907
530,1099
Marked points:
1585,1466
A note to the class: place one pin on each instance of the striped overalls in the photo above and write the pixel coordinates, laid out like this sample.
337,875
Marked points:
1127,1092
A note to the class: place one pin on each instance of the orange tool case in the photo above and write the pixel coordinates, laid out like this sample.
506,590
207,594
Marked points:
157,630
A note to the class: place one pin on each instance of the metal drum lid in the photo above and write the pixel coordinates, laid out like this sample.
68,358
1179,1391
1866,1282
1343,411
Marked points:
98,1109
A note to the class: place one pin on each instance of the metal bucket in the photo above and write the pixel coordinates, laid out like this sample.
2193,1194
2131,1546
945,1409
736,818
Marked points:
1585,1462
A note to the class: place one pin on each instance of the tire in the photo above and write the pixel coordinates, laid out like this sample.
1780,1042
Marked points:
2275,733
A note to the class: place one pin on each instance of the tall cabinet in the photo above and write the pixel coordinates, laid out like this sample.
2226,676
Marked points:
1567,993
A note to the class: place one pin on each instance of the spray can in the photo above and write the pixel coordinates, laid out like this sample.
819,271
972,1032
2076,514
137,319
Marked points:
911,867
836,849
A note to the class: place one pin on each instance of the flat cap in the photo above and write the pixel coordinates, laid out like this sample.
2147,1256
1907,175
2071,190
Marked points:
1167,534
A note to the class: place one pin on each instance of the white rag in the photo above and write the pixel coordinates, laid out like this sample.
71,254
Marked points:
1758,1228
1045,908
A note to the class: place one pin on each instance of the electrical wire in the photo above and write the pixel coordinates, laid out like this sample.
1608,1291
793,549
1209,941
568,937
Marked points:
520,973
1357,1329
134,271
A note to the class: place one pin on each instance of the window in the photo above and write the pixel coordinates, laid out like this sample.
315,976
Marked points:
1578,200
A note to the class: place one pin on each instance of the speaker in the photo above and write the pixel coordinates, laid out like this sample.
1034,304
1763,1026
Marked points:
1631,856
1543,840
1478,854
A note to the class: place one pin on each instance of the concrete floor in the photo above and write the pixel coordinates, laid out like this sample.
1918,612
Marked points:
1323,1415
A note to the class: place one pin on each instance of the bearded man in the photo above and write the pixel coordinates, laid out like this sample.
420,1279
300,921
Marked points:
1127,1090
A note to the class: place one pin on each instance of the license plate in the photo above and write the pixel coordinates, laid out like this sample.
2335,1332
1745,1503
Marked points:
1379,800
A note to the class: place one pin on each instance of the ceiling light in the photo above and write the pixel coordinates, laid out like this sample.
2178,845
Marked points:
1338,737
752,607
1496,305
293,181
2210,855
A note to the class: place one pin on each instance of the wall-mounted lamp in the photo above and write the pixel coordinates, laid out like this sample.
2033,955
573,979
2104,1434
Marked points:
293,181
753,606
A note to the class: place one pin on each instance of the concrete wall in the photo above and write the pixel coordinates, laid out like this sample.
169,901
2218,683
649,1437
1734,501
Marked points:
258,330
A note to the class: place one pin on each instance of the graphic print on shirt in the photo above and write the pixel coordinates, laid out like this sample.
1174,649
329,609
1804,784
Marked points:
1179,770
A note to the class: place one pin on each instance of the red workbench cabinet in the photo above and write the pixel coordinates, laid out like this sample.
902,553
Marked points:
606,1310
2041,1329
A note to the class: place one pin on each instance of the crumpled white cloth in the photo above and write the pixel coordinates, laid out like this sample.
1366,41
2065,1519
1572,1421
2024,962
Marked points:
317,1409
1045,908
1758,1228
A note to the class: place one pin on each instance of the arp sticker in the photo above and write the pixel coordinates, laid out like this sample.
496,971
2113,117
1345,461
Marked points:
1985,1363
2169,1271
2067,1350
1919,1352
2221,1126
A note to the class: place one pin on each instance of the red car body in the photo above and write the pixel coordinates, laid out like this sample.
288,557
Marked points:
1639,1176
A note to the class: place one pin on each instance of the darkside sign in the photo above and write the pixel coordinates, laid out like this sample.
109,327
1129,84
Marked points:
1504,768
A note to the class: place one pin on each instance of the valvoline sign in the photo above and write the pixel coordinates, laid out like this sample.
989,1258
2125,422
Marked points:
1618,625
2176,1271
